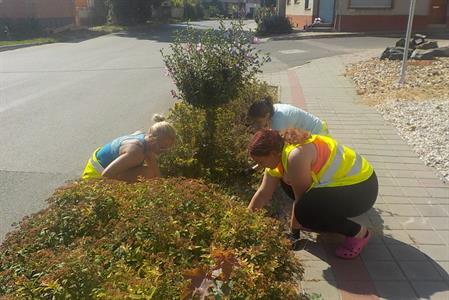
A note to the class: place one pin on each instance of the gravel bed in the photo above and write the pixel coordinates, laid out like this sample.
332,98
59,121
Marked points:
424,125
418,109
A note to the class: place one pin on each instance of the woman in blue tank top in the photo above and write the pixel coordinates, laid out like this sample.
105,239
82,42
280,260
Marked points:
131,156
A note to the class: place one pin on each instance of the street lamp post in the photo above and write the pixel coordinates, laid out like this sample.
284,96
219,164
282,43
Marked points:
407,41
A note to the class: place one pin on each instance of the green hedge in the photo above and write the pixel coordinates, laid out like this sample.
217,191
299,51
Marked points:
157,240
229,159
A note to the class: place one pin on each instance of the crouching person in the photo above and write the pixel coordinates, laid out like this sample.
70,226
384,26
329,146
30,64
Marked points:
131,156
328,182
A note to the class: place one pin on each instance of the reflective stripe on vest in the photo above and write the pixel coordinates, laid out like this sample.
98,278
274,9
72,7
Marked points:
97,166
343,167
335,165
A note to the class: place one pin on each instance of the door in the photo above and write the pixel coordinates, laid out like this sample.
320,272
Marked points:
326,11
437,11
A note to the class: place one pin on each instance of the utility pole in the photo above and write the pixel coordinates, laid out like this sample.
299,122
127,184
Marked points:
407,41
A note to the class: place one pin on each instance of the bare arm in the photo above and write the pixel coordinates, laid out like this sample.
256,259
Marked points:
300,161
152,164
131,155
264,192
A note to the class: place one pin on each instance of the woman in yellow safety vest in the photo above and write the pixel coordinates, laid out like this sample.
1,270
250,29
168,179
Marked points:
131,156
329,182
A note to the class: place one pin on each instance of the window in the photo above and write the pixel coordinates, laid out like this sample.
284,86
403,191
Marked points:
306,4
371,4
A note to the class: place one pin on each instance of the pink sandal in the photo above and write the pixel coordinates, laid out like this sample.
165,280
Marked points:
352,246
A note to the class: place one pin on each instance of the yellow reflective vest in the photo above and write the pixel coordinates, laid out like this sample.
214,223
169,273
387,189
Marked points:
343,167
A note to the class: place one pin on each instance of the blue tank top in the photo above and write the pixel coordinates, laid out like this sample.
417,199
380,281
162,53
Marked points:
109,152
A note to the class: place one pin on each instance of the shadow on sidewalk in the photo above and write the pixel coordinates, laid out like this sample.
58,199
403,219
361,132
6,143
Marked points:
383,257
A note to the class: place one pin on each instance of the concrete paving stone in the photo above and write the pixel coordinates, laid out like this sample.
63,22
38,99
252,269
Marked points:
380,200
381,210
409,182
386,222
357,290
315,270
396,199
327,290
436,252
311,251
387,147
376,252
396,236
434,290
439,223
425,174
395,290
377,158
422,200
396,165
390,191
404,174
382,172
388,181
426,237
444,235
431,210
416,192
384,270
428,182
402,252
414,223
420,270
404,210
438,192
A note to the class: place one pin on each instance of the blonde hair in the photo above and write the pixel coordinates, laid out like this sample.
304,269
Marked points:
161,128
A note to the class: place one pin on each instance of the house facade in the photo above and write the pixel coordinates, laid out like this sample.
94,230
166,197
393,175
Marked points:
369,15
48,13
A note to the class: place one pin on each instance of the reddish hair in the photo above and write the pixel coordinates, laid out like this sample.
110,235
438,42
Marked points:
265,141
295,135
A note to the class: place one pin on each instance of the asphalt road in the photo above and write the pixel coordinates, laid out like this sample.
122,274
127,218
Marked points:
58,102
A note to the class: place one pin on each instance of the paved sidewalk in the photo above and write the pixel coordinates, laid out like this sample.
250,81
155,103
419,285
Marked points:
408,258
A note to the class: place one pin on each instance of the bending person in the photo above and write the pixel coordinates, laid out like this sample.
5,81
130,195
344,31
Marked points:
329,183
131,156
264,114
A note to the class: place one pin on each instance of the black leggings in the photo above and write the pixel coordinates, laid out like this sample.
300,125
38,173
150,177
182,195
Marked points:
327,209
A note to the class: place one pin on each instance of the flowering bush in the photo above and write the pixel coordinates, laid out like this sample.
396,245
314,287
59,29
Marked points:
164,239
209,67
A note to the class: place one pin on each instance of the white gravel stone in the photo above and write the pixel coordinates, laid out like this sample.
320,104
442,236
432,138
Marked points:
419,109
424,125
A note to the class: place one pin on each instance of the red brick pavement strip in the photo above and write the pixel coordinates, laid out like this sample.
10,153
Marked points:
296,90
352,277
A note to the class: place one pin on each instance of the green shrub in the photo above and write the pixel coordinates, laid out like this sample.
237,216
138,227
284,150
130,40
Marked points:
157,240
229,161
15,29
209,68
268,22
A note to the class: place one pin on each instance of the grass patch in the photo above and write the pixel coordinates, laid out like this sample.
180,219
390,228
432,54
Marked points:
42,40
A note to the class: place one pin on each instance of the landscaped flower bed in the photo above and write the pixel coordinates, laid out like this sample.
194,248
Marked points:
164,239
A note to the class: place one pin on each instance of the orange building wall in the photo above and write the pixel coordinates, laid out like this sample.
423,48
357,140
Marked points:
300,21
17,9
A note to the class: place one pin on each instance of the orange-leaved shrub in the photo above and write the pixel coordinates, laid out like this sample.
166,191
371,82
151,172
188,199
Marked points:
162,239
